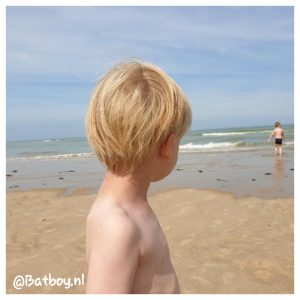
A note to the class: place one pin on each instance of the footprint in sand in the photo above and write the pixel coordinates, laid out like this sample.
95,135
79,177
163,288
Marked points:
227,277
59,246
225,211
49,230
177,254
185,242
201,280
192,234
264,275
216,223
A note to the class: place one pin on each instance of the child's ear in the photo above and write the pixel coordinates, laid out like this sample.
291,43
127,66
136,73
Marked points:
166,149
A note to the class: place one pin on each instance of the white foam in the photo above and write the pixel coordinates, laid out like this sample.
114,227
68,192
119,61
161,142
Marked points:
60,156
233,133
207,146
53,140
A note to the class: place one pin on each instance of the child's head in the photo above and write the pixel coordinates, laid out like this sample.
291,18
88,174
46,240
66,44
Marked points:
277,124
136,106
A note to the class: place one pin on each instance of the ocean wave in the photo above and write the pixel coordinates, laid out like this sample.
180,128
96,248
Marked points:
56,157
52,140
227,146
207,146
233,133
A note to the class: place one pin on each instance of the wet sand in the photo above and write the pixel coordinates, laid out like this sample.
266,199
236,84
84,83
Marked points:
245,173
219,243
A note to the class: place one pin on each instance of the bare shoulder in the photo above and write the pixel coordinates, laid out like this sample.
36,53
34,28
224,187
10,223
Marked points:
111,220
112,244
108,224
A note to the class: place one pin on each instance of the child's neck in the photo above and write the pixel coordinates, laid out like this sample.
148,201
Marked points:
128,188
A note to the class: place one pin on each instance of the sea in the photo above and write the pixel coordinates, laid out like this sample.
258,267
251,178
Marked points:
201,141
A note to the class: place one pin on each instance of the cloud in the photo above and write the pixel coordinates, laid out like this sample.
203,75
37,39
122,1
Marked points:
56,54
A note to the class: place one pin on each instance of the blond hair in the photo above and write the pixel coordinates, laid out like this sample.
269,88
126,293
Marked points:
134,107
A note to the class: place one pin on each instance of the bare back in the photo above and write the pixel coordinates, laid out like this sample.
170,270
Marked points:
153,271
278,133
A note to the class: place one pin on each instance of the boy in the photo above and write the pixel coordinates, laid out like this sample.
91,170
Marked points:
279,136
136,118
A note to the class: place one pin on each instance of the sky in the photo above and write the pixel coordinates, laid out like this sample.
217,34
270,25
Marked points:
235,64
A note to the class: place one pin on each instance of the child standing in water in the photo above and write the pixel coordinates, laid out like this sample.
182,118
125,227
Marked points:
279,136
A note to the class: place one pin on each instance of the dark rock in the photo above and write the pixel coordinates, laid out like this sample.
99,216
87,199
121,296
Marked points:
200,171
253,179
14,171
178,169
9,175
292,169
268,173
60,178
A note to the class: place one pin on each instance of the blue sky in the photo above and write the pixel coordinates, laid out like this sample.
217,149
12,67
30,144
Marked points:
235,64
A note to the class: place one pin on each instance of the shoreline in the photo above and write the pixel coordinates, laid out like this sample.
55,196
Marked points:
219,242
244,173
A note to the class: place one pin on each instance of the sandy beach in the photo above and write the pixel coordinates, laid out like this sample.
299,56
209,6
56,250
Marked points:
220,241
139,84
228,220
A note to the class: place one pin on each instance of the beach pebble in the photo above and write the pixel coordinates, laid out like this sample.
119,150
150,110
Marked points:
14,171
292,169
60,178
200,171
178,169
70,171
42,220
221,180
9,175
253,179
268,173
